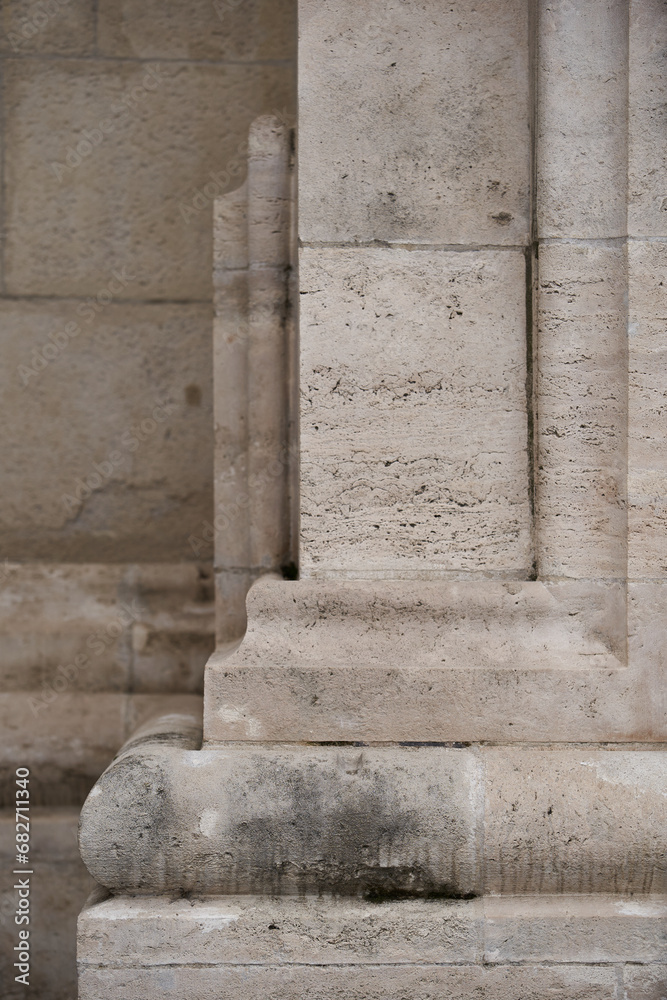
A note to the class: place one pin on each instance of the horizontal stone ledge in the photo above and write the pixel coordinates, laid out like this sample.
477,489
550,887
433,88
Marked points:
379,823
131,931
389,982
395,661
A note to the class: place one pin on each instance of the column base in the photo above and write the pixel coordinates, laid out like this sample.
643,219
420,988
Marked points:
584,947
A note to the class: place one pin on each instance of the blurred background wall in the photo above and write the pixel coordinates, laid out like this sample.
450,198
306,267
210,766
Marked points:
120,122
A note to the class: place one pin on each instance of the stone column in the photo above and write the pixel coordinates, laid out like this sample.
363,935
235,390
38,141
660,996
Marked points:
432,767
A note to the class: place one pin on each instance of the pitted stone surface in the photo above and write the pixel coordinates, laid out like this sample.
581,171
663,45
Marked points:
413,122
413,415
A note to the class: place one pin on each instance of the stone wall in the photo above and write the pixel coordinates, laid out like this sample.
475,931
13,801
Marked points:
122,122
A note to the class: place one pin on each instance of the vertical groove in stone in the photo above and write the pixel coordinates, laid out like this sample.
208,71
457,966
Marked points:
581,376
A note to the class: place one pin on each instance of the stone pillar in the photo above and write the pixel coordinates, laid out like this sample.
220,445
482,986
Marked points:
432,768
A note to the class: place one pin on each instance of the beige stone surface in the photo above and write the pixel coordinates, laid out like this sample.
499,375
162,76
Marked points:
582,399
204,29
123,403
54,27
349,983
156,931
413,122
310,930
69,742
285,820
645,983
585,814
413,414
647,428
582,928
582,87
380,660
113,126
647,151
382,823
59,888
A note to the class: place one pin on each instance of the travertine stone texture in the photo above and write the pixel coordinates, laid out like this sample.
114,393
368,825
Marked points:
111,203
413,414
374,822
125,931
413,122
581,149
237,30
374,660
647,442
582,401
59,888
109,459
50,27
647,149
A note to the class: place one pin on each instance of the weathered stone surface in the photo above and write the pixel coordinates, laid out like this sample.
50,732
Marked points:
582,118
585,814
128,478
218,931
413,415
311,930
204,29
388,982
285,820
374,822
438,148
647,150
581,928
582,399
109,127
645,983
57,27
59,888
647,432
392,661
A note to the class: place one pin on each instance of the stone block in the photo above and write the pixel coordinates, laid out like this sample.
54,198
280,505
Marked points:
248,930
413,416
111,458
582,119
438,148
645,982
87,190
647,150
587,928
239,30
383,982
582,398
647,427
53,27
558,806
378,824
435,661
